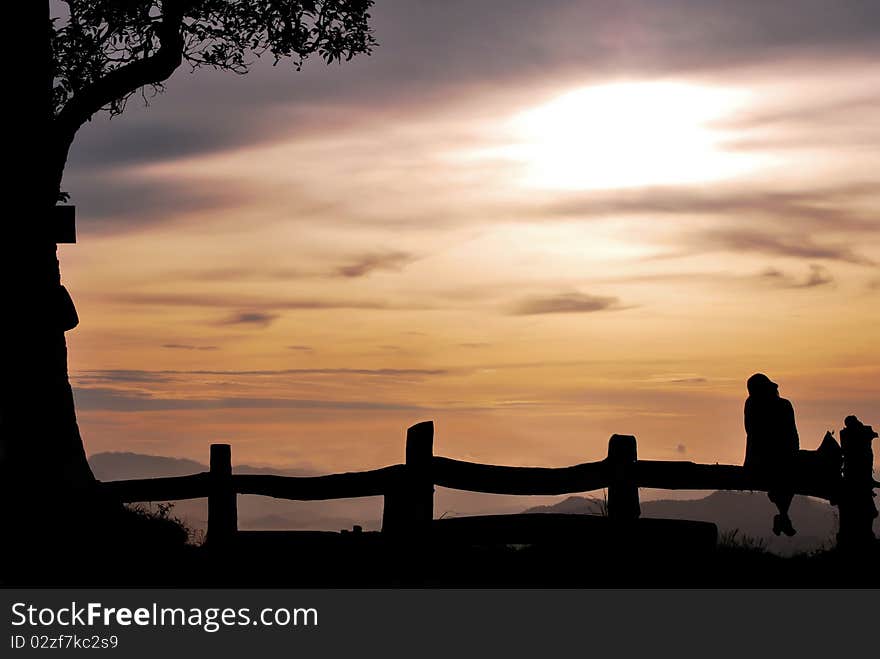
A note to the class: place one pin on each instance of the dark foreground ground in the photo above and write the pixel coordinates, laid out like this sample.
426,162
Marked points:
150,550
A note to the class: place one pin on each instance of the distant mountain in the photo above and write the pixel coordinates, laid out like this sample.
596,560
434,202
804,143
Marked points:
750,513
126,466
572,506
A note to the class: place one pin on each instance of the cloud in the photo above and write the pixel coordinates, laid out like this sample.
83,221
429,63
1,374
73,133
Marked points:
773,274
254,318
301,348
428,48
791,245
186,346
565,303
237,274
380,372
820,112
253,303
677,378
368,263
122,375
427,52
162,136
120,203
115,400
818,275
829,207
359,266
126,375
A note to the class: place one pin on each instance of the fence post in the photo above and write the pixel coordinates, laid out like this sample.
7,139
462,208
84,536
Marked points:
856,506
409,504
623,493
222,505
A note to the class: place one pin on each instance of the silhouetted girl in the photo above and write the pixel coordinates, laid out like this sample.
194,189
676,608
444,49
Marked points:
772,445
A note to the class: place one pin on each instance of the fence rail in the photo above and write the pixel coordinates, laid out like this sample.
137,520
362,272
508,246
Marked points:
494,479
172,488
408,488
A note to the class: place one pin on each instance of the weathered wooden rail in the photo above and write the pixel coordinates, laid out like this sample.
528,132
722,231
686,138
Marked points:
409,488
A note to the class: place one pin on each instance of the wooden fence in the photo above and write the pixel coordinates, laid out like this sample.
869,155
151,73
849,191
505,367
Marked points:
408,488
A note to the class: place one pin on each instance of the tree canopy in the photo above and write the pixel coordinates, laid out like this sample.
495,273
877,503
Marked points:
103,51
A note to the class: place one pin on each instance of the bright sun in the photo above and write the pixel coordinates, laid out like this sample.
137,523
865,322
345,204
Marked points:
628,135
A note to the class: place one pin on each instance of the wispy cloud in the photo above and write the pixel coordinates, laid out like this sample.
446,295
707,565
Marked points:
115,400
368,263
822,113
253,303
145,376
791,245
124,202
186,346
164,136
131,376
236,274
565,303
354,267
818,275
679,378
828,207
377,372
253,318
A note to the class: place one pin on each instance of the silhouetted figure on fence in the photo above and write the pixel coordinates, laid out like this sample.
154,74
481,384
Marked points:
772,445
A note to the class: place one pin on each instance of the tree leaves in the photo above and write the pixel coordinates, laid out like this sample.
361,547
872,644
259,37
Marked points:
97,37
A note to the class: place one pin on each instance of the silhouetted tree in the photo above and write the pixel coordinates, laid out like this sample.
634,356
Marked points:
98,54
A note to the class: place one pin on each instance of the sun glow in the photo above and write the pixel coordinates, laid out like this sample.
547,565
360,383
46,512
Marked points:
627,135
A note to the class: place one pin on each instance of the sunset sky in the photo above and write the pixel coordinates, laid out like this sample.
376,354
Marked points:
537,223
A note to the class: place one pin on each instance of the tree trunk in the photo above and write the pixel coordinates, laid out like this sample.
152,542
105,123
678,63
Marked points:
47,492
41,440
45,480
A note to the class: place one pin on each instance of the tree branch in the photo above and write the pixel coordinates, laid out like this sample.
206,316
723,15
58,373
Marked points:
115,85
120,82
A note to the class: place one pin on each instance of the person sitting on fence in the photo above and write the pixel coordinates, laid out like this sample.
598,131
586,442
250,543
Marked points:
772,445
